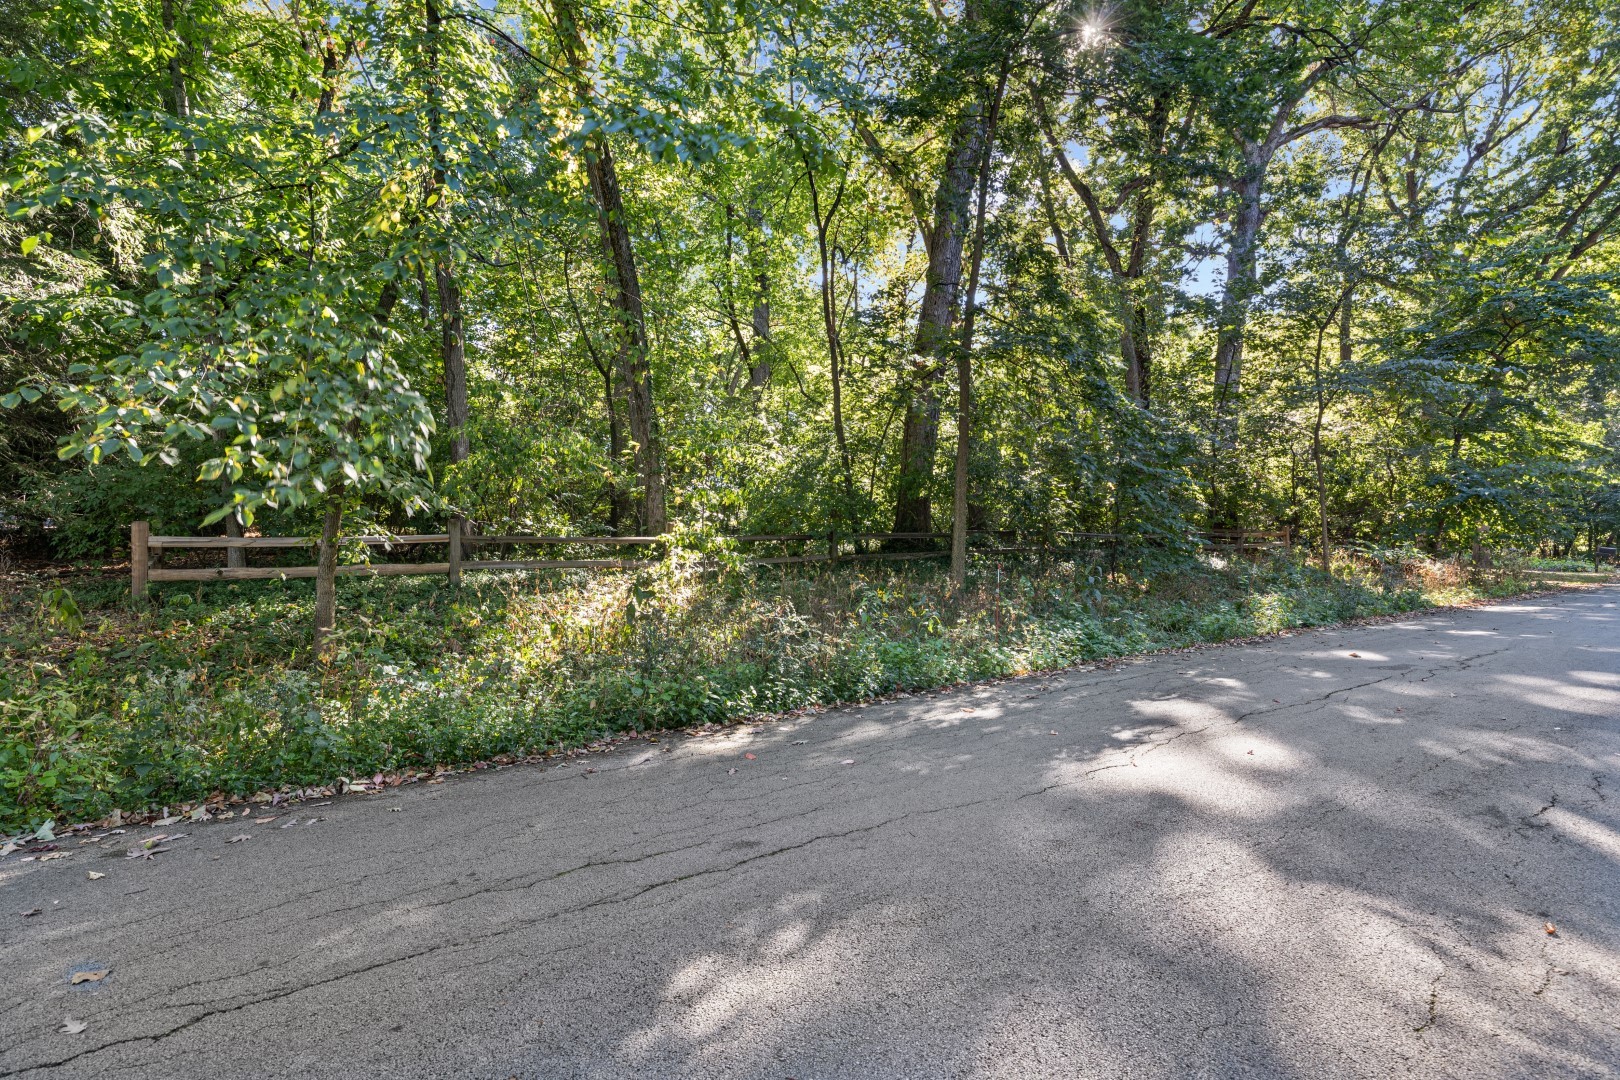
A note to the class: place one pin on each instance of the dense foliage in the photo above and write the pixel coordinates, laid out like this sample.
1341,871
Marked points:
1348,267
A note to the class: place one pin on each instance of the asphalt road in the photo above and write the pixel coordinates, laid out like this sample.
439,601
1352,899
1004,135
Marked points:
1334,854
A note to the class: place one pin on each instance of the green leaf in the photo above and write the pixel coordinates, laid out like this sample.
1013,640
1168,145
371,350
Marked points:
29,244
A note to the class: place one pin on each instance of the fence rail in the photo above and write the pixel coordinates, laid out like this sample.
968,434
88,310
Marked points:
144,547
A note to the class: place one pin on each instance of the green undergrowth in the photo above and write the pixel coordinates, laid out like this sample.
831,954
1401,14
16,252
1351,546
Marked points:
214,688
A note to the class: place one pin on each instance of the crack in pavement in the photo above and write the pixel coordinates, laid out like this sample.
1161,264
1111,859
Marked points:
524,924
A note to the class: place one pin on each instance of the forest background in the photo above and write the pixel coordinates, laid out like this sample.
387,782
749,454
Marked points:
716,268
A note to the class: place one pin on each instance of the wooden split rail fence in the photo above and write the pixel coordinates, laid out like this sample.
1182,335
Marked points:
145,549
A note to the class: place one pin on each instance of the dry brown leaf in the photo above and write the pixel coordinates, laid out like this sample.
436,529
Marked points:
89,976
55,855
239,837
31,912
750,757
264,820
71,1026
93,876
1551,930
1356,655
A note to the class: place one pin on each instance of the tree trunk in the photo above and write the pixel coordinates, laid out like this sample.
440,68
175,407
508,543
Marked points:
759,376
619,269
1242,258
919,436
964,355
178,98
835,352
452,348
326,570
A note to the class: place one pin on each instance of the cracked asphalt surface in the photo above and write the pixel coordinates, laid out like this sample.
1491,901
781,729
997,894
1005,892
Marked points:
1266,860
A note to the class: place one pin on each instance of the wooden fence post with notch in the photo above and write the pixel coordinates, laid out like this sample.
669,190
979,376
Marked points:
140,538
455,553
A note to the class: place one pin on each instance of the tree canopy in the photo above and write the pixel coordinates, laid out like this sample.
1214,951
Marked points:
626,267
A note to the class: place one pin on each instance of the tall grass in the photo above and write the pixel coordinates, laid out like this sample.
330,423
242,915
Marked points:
214,688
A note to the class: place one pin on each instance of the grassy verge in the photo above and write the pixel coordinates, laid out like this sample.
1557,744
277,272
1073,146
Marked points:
213,688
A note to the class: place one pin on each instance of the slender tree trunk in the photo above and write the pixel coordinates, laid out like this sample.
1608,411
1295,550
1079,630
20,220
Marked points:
829,318
759,375
1059,241
964,355
178,98
619,268
452,346
1316,452
326,570
619,508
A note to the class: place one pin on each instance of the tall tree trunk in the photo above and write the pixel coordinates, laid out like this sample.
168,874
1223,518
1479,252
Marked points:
452,345
759,376
1242,259
619,508
619,268
453,348
178,98
326,570
1059,241
919,435
964,355
835,351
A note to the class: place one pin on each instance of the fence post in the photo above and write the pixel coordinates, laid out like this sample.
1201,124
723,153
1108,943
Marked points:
140,538
455,552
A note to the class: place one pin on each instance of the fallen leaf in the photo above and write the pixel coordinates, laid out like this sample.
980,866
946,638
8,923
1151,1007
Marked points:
89,976
145,853
31,912
290,823
93,876
71,1026
175,820
730,772
1051,733
1551,930
46,831
55,855
800,742
847,761
200,814
750,757
239,837
7,850
1356,655
264,820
